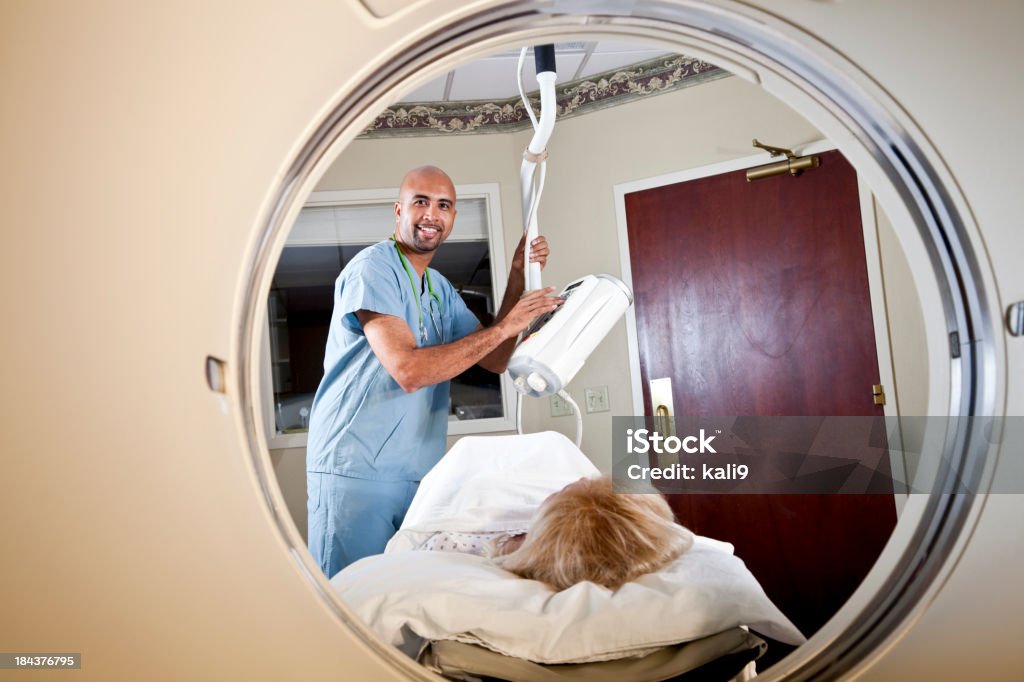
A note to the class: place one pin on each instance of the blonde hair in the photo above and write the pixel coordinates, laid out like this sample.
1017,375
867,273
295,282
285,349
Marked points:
587,532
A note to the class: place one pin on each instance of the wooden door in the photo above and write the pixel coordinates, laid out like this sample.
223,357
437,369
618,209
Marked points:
753,298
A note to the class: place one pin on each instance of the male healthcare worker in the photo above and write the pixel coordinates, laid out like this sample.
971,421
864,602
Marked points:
398,334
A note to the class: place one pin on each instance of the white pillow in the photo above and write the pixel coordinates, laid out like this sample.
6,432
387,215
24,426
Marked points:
410,597
491,484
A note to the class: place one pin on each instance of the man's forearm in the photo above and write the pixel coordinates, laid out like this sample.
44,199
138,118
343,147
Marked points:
513,291
433,364
412,367
497,360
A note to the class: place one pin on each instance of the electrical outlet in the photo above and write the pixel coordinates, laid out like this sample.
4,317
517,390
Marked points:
597,399
559,407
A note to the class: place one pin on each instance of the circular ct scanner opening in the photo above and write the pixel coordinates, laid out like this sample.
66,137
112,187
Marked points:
875,135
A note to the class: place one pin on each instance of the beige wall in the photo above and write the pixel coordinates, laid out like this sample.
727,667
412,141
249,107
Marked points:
905,323
589,155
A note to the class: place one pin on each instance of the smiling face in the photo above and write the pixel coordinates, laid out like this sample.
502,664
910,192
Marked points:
425,210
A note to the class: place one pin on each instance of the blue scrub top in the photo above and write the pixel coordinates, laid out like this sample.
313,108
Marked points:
362,424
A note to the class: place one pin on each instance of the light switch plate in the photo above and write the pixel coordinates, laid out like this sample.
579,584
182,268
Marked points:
559,407
597,399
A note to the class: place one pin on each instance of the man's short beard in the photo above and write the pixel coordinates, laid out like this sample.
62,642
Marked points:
420,246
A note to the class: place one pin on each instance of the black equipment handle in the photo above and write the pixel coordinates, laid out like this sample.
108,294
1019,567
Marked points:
544,58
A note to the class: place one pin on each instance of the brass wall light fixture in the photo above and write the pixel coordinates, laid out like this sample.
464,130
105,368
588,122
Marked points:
794,165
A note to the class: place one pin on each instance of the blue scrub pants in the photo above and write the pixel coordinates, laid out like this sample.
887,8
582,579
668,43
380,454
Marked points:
351,518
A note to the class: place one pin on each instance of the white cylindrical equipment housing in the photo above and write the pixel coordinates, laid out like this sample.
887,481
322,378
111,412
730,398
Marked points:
555,345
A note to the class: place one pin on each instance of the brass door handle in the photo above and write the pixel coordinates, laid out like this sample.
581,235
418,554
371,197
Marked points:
661,397
663,424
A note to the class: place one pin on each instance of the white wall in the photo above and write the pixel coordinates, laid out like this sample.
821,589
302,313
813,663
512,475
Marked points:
589,155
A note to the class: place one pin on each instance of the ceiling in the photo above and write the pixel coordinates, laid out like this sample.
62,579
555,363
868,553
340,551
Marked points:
494,77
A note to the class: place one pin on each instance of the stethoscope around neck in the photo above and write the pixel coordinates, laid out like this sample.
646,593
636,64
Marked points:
437,324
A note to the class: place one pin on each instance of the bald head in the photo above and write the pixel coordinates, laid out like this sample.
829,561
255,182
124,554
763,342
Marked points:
426,174
425,210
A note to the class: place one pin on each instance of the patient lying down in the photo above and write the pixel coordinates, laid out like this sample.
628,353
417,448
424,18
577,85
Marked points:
587,532
594,560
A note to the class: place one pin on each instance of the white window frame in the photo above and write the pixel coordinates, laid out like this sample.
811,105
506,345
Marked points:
490,193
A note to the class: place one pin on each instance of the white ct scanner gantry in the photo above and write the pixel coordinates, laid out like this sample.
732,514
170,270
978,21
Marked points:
155,155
